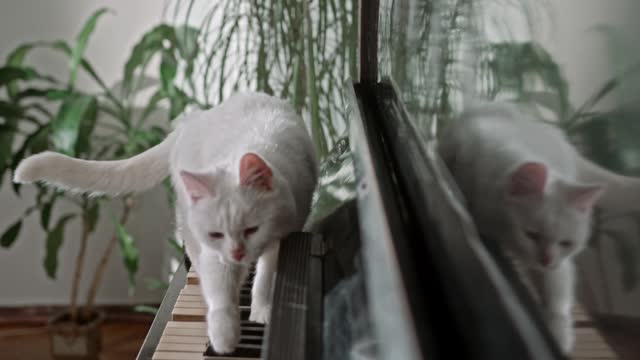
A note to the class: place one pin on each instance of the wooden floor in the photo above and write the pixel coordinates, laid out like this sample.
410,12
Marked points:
121,341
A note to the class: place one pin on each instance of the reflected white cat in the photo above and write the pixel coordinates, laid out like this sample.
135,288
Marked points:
528,189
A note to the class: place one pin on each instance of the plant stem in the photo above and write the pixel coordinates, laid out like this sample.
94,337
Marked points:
102,265
77,275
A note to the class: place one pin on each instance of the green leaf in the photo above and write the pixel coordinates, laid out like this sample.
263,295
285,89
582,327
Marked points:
81,44
150,44
145,139
6,143
187,41
49,94
9,74
175,245
336,183
74,123
168,71
10,236
177,103
34,143
519,67
154,284
39,142
10,110
54,242
146,309
92,215
63,47
188,47
610,139
16,58
45,215
129,253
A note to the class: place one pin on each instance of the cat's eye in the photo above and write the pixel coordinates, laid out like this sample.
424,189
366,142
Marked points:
533,235
566,244
216,235
250,231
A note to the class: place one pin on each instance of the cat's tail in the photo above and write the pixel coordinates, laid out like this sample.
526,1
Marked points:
135,174
622,193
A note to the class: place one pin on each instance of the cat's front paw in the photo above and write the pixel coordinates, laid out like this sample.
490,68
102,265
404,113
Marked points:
260,312
223,328
562,330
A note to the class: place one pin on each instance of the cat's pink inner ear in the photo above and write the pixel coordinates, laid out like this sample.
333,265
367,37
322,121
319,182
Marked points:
255,172
529,179
584,198
196,186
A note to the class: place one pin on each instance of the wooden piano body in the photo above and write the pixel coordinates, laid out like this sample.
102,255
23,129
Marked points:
179,330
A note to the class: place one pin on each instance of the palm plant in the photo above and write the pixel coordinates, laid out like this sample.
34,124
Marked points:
41,112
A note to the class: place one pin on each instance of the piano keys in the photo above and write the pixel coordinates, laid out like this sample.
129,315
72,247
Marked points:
178,331
589,345
185,336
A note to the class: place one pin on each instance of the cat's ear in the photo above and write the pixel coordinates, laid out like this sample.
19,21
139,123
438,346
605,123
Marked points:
254,172
198,186
584,197
528,179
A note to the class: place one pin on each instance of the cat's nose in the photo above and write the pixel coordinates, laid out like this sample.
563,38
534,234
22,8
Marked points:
545,259
238,253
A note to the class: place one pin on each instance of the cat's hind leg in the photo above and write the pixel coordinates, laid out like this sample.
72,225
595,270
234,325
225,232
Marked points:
262,285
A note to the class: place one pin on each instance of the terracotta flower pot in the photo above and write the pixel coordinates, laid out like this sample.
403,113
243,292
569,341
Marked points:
75,341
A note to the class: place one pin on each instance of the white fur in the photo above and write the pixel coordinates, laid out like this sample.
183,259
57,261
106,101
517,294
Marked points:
210,144
483,149
136,174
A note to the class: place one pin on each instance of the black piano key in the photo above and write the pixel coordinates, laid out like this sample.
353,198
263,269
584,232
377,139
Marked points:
242,351
244,314
252,339
253,331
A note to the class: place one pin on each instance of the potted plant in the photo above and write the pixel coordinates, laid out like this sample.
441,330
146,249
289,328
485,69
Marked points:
103,125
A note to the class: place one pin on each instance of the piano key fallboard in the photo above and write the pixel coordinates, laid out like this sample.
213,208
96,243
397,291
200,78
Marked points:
185,335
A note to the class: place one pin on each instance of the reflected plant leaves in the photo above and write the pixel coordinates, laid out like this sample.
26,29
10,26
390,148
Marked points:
336,183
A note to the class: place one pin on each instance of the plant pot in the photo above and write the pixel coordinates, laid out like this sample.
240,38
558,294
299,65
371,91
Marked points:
75,341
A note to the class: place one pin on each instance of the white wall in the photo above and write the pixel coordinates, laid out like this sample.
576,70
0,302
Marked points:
22,277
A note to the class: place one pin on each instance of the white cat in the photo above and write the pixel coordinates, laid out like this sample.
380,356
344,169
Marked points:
527,188
243,172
